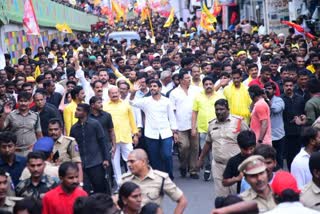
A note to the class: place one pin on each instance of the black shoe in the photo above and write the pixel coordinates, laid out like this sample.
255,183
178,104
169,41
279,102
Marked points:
183,172
194,176
207,175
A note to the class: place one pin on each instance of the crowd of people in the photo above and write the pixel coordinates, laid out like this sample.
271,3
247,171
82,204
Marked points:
90,125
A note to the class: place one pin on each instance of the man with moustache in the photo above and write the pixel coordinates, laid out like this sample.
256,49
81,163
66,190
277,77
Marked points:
294,108
125,129
203,111
254,171
39,183
160,126
222,140
62,198
65,148
23,122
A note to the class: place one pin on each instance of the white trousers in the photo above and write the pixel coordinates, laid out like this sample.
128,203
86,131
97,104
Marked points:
122,149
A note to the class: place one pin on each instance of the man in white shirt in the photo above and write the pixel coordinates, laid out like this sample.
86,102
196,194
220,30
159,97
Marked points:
160,126
300,164
182,98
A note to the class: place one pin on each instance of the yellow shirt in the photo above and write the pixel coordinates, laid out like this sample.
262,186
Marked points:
68,116
311,68
204,105
123,120
239,100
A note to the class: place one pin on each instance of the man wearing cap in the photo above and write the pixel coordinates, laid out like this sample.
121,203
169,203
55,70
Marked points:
254,171
222,140
310,195
286,195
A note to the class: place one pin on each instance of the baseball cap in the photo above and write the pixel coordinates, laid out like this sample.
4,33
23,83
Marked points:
253,165
44,144
282,181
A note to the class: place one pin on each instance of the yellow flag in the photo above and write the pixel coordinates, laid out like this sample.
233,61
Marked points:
37,72
170,19
63,28
144,13
210,17
117,9
205,24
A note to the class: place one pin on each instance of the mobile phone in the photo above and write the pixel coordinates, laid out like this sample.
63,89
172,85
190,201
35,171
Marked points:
56,156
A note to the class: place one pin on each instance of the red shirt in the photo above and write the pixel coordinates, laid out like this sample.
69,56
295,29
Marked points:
56,201
261,85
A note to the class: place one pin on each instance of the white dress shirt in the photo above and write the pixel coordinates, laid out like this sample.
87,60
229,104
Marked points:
182,104
291,208
300,168
160,119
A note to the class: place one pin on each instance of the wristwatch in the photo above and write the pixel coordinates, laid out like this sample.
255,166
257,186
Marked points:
259,141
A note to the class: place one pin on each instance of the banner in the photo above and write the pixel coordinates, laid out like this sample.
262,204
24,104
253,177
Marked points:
30,22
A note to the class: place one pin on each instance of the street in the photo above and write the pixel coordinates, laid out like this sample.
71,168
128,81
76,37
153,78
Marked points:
200,194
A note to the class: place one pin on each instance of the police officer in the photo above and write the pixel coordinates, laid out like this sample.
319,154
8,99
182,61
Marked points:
222,140
153,183
310,195
254,170
65,148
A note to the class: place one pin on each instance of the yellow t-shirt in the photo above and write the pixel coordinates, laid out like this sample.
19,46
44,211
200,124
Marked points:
204,105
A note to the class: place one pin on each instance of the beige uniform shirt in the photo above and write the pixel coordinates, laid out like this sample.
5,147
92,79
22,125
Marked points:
25,128
8,205
264,205
223,138
151,185
68,149
310,196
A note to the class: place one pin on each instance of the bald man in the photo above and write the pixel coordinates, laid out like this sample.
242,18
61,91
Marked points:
153,183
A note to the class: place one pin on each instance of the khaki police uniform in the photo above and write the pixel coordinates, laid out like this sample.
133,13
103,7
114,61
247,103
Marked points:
8,204
253,165
68,149
264,204
223,138
151,186
310,196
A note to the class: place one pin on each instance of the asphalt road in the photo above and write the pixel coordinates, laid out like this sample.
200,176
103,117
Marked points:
200,193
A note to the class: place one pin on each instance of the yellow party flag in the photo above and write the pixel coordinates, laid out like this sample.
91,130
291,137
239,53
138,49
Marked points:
37,72
205,24
117,9
210,17
170,19
63,28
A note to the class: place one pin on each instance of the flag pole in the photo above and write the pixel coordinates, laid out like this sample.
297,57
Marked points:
150,21
41,41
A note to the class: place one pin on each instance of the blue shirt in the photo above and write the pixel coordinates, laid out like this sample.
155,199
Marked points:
276,111
15,169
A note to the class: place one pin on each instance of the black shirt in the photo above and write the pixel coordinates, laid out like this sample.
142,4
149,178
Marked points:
91,141
294,106
54,99
49,111
231,169
105,119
